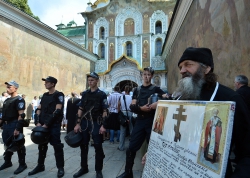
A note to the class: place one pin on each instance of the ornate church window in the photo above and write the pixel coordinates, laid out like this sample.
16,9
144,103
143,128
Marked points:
129,47
101,51
158,47
102,33
158,27
129,26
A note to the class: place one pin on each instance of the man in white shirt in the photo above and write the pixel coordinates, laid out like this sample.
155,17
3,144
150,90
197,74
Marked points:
126,111
113,100
2,99
34,104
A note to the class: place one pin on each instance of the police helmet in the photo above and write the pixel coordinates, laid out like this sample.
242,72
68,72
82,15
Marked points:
40,135
14,143
73,139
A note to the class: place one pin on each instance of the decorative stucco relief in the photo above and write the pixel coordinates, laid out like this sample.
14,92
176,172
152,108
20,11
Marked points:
101,22
136,42
162,36
158,15
100,66
123,70
128,12
96,44
158,63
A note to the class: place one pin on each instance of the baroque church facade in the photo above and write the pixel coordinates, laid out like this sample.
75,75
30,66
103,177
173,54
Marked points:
128,36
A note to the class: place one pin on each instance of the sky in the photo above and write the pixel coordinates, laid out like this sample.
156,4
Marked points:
53,12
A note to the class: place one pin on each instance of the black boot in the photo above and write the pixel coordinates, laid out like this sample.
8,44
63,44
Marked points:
99,156
126,175
38,168
84,156
5,165
59,159
130,156
84,161
21,168
41,158
21,158
99,174
80,172
60,172
7,160
42,153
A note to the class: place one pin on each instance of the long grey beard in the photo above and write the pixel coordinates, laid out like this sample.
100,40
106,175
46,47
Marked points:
189,88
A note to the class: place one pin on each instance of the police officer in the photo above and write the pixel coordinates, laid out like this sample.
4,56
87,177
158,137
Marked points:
91,123
13,120
145,116
49,115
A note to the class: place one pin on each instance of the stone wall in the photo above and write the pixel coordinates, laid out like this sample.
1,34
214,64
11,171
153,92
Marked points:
26,57
222,26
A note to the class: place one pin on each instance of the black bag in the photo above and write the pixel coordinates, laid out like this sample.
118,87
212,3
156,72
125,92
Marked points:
123,119
112,122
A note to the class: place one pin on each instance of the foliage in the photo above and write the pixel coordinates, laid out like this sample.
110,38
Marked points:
23,6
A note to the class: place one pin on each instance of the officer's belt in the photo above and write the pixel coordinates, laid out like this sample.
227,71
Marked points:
9,121
145,115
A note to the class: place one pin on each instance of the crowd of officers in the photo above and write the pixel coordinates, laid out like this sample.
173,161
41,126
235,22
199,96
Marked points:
196,68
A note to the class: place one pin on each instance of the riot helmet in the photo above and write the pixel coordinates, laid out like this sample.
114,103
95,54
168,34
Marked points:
14,143
73,139
40,135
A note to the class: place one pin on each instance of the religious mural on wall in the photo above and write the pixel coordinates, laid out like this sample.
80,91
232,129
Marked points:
111,52
27,57
90,29
220,26
145,51
90,47
145,23
112,27
129,27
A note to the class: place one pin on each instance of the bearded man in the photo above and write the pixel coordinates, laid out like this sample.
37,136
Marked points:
200,83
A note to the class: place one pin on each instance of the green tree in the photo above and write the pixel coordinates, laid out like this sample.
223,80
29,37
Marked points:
23,6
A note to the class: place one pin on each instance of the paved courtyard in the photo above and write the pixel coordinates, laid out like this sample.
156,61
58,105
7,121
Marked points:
114,161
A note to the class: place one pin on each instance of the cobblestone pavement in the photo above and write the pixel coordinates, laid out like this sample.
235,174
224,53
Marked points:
114,161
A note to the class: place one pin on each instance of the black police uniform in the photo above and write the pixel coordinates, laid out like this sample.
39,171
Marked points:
143,125
98,99
48,106
10,115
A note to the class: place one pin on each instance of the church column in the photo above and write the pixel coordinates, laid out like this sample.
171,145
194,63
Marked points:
163,81
108,82
101,81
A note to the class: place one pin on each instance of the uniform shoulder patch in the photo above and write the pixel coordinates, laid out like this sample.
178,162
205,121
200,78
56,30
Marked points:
60,98
21,105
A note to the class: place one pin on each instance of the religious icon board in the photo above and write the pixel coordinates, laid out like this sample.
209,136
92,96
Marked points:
190,139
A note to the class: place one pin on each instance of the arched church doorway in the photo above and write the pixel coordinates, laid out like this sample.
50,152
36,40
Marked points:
123,83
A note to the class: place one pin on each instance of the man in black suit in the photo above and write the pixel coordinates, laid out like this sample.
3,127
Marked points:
71,111
241,87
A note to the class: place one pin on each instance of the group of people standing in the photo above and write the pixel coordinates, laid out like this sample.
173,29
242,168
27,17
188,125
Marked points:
198,82
118,101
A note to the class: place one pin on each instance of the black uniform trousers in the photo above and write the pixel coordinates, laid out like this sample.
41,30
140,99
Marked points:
89,127
55,141
141,131
8,131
